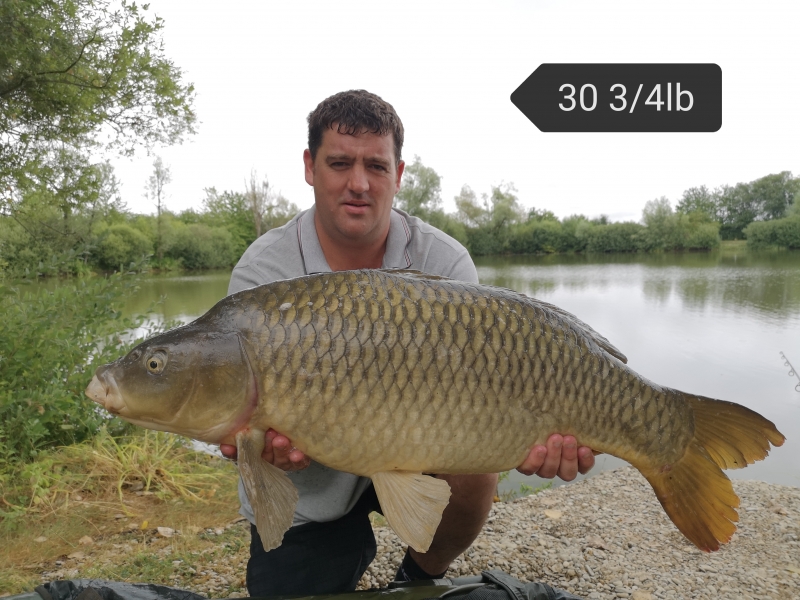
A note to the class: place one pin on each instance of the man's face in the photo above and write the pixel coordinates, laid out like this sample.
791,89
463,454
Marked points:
355,179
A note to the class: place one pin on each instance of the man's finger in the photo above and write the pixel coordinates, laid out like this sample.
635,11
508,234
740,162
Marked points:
568,468
228,451
585,459
533,461
552,461
268,453
287,457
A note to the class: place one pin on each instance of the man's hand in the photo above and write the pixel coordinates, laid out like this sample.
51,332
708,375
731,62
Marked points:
561,456
278,451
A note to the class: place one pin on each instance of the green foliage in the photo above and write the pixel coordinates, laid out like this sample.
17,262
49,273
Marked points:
468,210
278,212
50,343
538,237
121,245
420,192
535,214
616,237
700,200
482,241
49,225
668,230
699,235
575,230
794,209
201,247
488,227
229,210
736,206
661,223
71,70
780,232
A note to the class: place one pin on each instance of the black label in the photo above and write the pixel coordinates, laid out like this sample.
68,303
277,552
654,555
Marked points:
622,97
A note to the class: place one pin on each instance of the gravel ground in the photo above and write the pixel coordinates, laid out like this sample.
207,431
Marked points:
608,537
601,538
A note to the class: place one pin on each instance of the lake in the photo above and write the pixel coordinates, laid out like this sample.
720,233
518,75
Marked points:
713,324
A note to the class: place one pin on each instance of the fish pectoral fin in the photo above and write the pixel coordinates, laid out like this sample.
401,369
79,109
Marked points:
412,504
272,494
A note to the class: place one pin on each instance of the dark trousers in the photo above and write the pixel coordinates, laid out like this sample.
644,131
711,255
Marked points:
316,558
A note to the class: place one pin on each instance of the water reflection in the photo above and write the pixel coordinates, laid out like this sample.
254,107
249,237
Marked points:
767,283
182,298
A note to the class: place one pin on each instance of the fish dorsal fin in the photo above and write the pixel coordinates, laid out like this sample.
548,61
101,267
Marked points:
599,339
270,491
415,274
413,505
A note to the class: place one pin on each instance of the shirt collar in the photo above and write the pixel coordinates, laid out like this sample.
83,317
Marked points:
395,257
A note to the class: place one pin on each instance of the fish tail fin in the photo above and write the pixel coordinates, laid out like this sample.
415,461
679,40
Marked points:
695,493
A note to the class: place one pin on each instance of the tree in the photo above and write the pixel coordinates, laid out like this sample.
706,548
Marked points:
468,210
267,208
774,194
503,206
420,192
76,75
257,194
700,200
737,210
536,214
229,210
279,212
155,192
661,223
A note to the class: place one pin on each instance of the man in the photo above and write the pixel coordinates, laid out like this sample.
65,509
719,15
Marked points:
353,162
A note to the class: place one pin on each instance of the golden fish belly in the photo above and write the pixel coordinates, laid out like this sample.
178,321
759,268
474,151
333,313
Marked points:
369,372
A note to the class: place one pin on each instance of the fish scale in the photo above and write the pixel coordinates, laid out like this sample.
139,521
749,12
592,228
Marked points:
391,374
476,349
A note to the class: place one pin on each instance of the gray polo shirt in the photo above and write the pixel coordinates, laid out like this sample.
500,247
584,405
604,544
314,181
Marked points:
293,251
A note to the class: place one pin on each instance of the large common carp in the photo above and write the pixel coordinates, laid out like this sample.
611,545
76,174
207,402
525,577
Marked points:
392,374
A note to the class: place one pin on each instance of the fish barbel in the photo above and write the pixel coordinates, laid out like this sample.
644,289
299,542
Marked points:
392,374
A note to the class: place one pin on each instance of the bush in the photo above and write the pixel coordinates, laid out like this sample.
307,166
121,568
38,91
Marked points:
575,232
119,246
780,232
51,342
537,237
41,248
481,241
702,236
198,246
617,237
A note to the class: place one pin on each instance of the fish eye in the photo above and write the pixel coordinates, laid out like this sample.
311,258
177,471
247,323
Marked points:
156,362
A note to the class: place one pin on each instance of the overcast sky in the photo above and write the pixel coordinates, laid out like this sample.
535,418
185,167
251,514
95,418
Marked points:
449,68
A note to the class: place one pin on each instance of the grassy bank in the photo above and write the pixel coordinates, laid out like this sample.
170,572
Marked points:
141,509
147,509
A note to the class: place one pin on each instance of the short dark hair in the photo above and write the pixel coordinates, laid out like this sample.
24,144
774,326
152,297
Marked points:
355,112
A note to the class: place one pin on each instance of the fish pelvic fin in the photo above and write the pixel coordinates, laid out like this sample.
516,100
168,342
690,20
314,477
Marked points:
272,494
412,504
695,493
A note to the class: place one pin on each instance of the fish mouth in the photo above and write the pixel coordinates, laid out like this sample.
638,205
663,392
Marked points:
103,390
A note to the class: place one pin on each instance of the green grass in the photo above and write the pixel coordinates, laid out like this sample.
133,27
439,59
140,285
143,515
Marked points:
116,492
